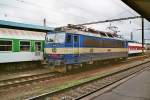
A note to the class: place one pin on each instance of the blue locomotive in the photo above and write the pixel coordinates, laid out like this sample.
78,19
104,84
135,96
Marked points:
77,45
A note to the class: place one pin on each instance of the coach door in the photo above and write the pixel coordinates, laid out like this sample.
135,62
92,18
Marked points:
37,48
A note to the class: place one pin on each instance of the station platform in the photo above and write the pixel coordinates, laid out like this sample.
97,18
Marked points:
135,88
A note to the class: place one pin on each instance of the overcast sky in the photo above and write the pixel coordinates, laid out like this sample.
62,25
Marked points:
63,12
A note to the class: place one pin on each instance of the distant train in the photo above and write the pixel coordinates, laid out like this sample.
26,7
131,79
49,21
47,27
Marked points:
20,45
75,45
134,48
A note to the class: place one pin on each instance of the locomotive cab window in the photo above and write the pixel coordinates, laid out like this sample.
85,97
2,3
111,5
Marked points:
50,38
37,46
55,38
68,38
5,45
24,45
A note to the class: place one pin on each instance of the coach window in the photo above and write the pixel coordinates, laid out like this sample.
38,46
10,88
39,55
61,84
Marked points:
5,45
68,39
25,45
37,46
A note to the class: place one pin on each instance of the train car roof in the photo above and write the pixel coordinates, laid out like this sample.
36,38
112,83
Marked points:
23,26
6,33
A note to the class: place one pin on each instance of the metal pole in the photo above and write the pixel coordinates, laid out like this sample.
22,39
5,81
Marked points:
143,35
44,22
131,36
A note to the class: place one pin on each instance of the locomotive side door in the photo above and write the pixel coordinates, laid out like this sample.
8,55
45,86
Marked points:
76,43
76,47
73,43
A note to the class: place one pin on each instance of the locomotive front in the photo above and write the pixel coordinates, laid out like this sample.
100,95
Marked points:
54,41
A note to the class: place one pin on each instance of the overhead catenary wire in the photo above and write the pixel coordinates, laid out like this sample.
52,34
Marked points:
111,20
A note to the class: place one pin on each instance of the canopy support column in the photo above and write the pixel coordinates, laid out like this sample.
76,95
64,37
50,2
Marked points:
143,35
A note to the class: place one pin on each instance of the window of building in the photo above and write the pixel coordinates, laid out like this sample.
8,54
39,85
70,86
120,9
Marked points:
37,46
5,45
24,45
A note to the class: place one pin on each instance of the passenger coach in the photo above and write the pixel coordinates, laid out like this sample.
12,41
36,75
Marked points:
21,45
75,45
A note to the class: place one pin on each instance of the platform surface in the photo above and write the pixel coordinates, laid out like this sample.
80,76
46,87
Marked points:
136,88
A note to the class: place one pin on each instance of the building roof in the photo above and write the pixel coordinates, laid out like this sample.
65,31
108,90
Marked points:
22,26
140,6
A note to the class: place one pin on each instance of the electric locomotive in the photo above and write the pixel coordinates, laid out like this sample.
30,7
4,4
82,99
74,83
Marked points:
79,45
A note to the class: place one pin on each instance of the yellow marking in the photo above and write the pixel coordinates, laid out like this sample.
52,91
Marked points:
83,50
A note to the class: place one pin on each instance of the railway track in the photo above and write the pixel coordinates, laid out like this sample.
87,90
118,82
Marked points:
14,82
86,88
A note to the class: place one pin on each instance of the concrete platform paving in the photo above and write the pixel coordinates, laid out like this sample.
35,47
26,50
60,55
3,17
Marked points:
136,88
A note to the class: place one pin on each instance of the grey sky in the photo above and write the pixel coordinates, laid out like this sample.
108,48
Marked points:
63,12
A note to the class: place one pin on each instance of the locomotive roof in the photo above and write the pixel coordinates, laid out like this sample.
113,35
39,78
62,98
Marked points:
86,31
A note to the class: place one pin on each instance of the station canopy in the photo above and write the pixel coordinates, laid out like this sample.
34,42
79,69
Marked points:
23,26
141,6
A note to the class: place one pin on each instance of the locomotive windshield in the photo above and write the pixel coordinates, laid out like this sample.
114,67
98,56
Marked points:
55,38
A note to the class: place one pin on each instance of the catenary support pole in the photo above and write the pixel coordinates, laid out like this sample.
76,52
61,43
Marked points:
143,35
